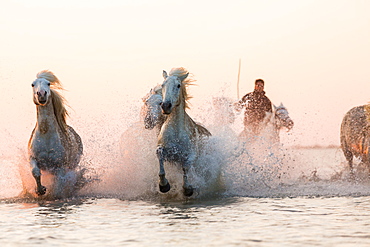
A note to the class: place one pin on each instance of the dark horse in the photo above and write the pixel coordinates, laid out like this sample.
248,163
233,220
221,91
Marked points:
355,134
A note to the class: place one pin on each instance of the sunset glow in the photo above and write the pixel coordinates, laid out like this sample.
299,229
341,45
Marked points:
313,55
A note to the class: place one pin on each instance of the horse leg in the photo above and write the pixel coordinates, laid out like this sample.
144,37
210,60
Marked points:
188,189
40,190
164,185
349,157
60,183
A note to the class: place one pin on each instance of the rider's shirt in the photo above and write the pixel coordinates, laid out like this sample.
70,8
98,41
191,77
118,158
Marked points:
256,105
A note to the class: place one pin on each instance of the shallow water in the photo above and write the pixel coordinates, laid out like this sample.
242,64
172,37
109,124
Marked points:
306,200
244,221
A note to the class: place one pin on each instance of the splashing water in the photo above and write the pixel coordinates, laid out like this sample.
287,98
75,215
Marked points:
122,163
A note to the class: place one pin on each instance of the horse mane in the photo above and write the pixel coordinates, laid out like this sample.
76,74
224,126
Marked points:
197,128
157,89
184,84
59,102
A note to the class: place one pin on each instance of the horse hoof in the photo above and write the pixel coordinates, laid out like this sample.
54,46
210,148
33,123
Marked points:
41,191
188,191
165,188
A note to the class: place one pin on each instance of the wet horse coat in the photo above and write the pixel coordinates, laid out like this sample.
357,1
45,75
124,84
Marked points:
355,134
53,146
152,109
180,137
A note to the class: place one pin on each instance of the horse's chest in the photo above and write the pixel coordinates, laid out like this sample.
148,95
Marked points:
177,146
175,139
48,149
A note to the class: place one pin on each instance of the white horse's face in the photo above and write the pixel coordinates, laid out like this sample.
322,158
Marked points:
153,110
282,114
41,91
171,89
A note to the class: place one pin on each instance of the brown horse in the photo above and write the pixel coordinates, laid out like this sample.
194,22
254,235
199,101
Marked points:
355,134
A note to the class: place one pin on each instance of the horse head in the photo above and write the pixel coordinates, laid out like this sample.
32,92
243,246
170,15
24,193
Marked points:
41,91
153,111
281,113
172,88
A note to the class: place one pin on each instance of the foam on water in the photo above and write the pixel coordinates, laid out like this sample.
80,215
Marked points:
225,168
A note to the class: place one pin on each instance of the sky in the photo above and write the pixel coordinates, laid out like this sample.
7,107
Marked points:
313,55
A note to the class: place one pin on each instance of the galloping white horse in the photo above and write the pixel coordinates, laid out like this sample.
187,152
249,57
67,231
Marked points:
152,109
54,146
180,137
273,123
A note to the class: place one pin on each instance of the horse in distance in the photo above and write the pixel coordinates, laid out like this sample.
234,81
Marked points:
272,124
282,119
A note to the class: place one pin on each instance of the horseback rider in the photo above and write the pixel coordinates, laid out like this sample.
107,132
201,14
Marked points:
256,105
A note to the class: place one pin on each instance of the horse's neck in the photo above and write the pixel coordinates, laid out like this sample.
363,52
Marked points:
46,121
273,120
269,118
160,123
178,115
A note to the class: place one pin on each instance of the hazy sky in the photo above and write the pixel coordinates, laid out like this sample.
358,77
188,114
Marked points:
313,55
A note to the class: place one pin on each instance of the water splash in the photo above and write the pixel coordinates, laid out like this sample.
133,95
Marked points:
122,163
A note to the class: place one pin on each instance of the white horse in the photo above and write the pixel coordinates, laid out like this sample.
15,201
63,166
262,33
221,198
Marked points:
180,137
54,146
272,124
152,109
282,118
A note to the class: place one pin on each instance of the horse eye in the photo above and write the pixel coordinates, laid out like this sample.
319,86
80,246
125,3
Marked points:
178,86
32,85
49,84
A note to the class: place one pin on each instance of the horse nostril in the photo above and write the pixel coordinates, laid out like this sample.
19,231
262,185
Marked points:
41,93
166,107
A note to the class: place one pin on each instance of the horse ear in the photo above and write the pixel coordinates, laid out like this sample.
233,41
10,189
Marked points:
281,104
274,107
165,74
183,77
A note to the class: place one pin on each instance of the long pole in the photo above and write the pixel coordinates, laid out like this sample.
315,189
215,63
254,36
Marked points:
237,84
